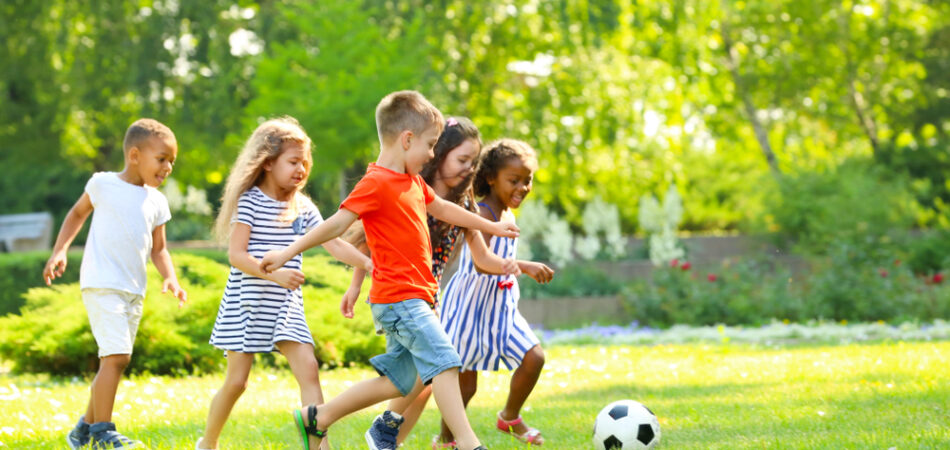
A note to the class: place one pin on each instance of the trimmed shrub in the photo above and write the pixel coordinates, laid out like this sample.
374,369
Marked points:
21,271
52,332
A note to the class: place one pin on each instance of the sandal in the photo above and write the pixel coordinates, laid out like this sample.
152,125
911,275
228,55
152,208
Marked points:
438,444
309,427
532,436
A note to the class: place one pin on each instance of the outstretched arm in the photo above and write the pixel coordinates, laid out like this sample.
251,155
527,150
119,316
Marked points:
449,212
348,254
329,229
163,262
73,222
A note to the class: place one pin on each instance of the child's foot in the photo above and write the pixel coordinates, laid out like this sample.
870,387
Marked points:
438,443
79,435
199,445
383,431
306,421
519,430
104,436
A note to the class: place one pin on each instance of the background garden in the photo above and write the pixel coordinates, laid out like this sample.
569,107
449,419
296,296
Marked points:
752,178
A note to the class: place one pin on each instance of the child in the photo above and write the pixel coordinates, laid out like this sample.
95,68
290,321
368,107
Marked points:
450,174
392,200
263,209
128,226
480,312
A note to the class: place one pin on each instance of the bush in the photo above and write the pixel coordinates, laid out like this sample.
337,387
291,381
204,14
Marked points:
52,333
21,271
851,283
574,280
814,210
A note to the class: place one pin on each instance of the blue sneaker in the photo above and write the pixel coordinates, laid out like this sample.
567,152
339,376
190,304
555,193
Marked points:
381,435
104,436
79,435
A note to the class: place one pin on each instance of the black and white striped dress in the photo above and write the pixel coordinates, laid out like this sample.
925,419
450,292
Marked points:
480,313
256,313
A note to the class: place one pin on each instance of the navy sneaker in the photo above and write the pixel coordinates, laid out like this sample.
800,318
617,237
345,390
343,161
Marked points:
104,436
382,433
79,435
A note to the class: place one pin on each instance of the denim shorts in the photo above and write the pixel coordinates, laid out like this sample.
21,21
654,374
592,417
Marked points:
416,344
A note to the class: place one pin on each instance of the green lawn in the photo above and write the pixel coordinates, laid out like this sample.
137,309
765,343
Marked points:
891,395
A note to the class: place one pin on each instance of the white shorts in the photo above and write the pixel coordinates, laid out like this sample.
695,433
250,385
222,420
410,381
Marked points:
114,317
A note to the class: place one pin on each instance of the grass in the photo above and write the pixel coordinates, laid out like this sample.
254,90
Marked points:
883,395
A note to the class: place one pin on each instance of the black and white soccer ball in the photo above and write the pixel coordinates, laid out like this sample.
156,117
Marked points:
626,425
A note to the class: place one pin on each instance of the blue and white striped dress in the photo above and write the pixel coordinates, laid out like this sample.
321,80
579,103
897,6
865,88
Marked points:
256,313
480,313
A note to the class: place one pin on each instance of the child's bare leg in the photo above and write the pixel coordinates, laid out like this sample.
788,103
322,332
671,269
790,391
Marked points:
468,385
445,388
359,396
235,382
410,408
105,385
306,370
522,383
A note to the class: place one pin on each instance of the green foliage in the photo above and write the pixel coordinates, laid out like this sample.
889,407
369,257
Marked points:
52,334
572,280
851,283
21,271
857,203
928,253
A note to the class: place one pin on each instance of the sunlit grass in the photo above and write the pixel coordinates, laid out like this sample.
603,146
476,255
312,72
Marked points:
706,396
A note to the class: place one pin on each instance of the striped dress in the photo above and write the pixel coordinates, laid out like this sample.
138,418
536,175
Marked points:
480,313
256,313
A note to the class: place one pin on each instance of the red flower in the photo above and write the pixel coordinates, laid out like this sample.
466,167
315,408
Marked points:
675,262
711,277
883,273
686,265
938,278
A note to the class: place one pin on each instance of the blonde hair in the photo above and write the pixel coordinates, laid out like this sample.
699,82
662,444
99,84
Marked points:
265,145
405,110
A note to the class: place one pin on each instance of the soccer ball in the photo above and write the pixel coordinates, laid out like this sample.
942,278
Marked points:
626,425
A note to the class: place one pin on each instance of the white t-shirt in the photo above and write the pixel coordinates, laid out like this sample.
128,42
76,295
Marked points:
120,236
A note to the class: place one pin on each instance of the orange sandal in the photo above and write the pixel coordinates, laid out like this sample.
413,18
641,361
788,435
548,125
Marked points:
532,436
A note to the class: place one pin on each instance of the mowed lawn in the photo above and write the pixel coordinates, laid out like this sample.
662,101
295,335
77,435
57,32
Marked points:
878,396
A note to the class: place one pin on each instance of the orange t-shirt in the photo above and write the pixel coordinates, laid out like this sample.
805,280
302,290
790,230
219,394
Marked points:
392,206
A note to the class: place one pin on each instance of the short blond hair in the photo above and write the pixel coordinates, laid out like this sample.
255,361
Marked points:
405,110
142,130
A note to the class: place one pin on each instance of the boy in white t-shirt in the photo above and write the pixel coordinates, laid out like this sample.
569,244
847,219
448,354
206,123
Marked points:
127,227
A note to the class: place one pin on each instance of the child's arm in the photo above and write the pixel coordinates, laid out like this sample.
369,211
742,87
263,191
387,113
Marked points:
329,229
243,261
352,293
540,272
163,262
348,254
449,212
73,222
487,262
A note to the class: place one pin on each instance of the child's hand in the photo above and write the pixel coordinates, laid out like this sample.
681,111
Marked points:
273,260
55,267
349,299
505,229
368,266
540,272
171,284
510,267
288,278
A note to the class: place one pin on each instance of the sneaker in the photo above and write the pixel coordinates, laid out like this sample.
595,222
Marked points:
104,436
79,435
382,433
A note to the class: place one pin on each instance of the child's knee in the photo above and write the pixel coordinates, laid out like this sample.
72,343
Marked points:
536,356
115,362
235,385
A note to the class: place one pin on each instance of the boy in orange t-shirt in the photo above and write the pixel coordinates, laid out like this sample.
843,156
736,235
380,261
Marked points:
392,200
